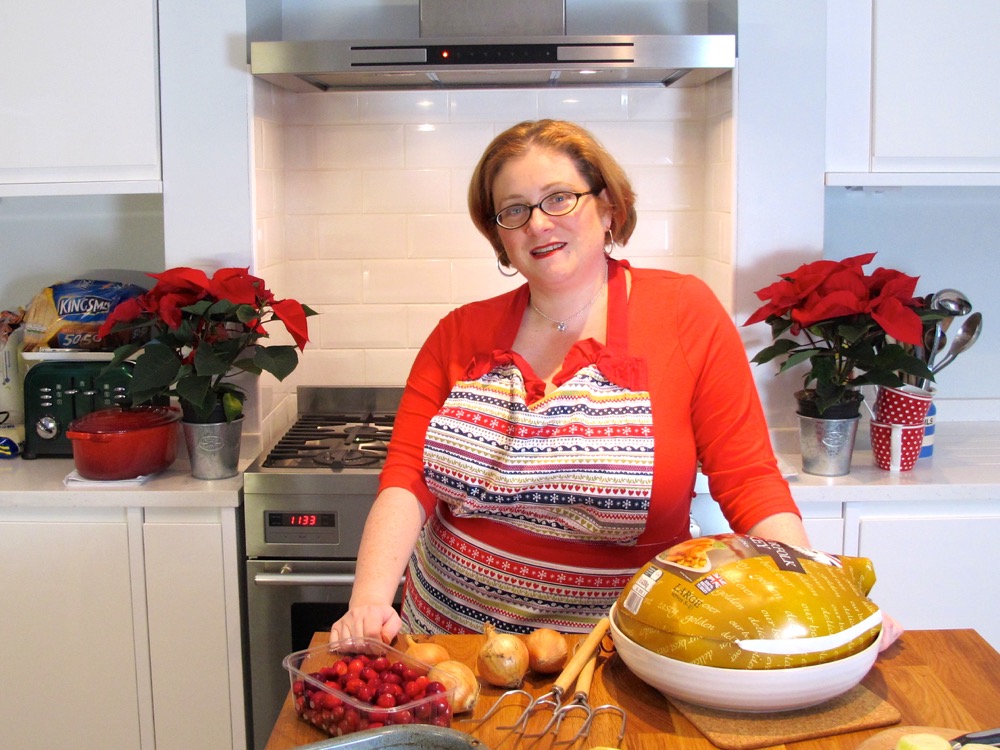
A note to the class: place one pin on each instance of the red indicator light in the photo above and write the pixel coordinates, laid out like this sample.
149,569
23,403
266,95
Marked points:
445,53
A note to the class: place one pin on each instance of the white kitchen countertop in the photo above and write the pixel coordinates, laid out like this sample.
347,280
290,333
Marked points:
965,466
39,483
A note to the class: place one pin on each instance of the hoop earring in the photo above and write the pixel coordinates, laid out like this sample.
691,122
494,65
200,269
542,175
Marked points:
504,273
610,247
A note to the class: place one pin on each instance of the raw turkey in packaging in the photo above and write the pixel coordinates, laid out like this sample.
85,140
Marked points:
742,602
69,315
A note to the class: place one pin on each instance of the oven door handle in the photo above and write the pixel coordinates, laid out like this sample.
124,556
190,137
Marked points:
306,579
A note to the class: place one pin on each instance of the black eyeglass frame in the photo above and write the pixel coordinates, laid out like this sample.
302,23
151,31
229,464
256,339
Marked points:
576,202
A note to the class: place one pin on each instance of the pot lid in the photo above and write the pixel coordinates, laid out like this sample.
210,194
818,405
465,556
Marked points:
117,419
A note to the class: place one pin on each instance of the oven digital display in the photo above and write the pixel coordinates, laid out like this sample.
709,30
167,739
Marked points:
301,520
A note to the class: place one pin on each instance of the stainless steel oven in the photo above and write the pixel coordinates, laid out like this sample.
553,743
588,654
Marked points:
305,504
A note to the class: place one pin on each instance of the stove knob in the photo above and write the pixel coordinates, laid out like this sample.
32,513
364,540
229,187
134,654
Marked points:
47,428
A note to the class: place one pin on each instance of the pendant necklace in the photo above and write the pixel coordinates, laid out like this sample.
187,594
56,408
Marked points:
561,324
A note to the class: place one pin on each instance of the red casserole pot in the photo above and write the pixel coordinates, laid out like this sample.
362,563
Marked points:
119,443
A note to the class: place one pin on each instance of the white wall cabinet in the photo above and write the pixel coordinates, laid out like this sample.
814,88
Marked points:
936,562
79,106
67,638
912,93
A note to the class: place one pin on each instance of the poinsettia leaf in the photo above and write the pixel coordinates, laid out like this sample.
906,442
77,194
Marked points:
277,360
198,308
207,362
232,405
196,390
779,347
247,313
799,357
121,354
246,364
155,369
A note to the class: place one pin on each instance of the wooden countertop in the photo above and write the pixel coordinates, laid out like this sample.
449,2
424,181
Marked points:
940,678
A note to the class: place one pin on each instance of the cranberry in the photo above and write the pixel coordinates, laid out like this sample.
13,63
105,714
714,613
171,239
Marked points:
401,717
416,688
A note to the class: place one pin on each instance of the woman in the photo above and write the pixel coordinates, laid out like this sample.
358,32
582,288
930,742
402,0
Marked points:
547,441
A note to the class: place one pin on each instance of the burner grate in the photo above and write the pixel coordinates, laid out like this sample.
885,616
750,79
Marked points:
333,441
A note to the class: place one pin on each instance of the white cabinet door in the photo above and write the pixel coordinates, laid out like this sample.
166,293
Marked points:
823,521
936,68
192,599
78,97
911,92
67,645
936,563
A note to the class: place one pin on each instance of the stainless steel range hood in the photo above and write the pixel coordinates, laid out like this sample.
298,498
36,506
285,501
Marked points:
453,51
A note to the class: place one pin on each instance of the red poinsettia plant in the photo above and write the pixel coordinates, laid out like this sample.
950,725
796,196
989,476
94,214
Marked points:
852,328
203,331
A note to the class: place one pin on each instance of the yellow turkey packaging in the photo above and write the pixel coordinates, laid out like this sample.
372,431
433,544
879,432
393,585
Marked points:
742,602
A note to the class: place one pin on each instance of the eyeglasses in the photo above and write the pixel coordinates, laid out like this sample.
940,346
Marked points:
557,204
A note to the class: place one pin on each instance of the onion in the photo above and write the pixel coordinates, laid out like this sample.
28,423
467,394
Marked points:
547,650
503,659
455,674
428,653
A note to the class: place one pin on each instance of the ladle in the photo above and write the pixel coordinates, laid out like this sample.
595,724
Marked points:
966,336
953,303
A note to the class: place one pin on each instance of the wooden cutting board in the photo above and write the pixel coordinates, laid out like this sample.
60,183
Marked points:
887,738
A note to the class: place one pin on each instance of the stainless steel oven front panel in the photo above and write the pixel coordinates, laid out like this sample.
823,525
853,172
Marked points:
314,526
287,600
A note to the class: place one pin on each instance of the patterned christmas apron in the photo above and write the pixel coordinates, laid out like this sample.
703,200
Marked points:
510,463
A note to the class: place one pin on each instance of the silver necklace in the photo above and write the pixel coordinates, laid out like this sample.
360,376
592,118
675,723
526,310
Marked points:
561,324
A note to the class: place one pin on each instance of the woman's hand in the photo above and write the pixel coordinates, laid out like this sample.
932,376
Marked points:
891,630
390,534
367,621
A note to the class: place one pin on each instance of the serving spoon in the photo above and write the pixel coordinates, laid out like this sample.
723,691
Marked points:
967,335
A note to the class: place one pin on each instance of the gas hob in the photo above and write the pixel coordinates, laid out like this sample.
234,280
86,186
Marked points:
338,442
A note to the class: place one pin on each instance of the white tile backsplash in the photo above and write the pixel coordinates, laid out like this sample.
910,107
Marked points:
388,366
407,281
403,106
323,191
445,236
322,282
430,146
411,190
365,146
484,106
362,213
361,326
585,106
359,236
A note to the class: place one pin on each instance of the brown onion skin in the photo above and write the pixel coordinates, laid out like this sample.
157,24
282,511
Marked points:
428,653
548,650
456,674
503,659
